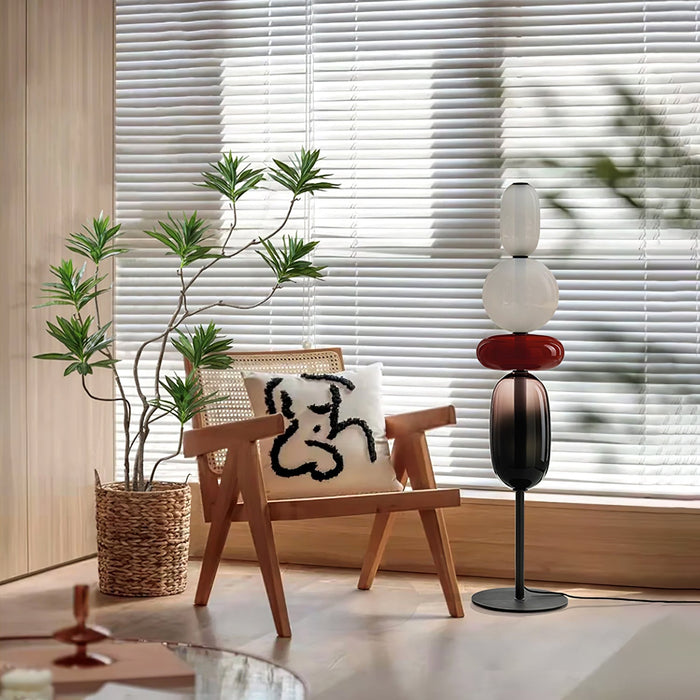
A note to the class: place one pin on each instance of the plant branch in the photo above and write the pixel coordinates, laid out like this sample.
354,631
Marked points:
230,229
149,483
151,422
182,305
148,410
127,426
213,262
183,291
97,303
252,242
146,343
147,414
125,402
92,396
258,240
227,305
283,224
143,426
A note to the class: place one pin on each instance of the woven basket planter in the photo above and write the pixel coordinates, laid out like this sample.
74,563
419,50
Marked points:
143,539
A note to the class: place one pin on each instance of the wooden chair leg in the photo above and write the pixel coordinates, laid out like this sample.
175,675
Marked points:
381,529
216,540
260,524
218,530
435,532
413,450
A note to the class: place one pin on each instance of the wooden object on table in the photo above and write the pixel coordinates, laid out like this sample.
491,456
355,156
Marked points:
81,634
148,664
231,481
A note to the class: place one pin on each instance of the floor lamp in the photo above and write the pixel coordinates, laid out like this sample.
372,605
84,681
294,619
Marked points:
520,295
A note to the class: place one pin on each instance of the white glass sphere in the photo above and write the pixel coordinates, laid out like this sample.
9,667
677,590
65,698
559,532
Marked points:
520,219
520,294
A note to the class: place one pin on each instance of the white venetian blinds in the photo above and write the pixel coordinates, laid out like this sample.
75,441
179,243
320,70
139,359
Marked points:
424,111
601,115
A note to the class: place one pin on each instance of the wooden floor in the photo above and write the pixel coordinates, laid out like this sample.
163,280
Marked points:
396,641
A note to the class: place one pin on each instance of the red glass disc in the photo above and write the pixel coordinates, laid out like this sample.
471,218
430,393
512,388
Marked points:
520,351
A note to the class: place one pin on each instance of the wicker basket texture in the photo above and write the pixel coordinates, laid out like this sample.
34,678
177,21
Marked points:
143,539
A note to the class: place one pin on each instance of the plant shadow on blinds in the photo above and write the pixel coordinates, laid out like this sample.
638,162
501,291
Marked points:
424,113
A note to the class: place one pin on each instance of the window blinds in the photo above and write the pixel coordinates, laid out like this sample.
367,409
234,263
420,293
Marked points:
424,111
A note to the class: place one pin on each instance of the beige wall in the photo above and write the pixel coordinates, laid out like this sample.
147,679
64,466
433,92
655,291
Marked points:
13,333
56,173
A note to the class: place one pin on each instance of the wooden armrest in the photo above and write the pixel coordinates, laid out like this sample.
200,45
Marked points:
419,421
200,441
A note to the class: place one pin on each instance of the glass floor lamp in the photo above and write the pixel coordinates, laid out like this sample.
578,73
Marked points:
520,295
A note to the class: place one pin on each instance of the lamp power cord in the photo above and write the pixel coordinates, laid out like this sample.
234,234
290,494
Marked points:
603,597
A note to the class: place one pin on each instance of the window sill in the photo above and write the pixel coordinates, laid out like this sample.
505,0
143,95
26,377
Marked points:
587,540
641,503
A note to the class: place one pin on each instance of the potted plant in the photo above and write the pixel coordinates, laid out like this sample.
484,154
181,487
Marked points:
143,524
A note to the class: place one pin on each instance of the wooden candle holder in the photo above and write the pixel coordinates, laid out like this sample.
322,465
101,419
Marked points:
81,634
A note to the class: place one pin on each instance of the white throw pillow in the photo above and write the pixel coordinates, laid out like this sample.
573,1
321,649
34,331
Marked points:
334,440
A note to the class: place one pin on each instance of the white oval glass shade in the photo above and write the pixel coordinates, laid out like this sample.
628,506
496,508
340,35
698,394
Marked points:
520,294
520,219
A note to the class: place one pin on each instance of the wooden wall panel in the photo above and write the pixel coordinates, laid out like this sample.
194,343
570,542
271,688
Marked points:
70,93
624,545
13,346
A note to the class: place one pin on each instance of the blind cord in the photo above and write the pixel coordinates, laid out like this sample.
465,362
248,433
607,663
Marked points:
603,597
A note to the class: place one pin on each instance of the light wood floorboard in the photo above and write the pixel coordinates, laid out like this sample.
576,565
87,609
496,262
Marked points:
397,641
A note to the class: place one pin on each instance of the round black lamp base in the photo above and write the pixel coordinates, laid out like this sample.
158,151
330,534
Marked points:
504,599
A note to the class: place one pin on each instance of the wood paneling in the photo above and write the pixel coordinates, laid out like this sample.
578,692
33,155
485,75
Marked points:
13,346
70,53
599,543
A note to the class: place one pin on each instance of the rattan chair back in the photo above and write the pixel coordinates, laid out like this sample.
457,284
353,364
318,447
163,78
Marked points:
229,382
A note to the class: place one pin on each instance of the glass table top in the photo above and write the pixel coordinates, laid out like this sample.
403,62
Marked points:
229,674
219,673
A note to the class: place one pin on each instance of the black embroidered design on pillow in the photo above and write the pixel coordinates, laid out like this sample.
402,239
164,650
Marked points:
332,409
330,378
269,388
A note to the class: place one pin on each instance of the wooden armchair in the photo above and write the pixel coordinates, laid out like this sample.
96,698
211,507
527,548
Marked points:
224,442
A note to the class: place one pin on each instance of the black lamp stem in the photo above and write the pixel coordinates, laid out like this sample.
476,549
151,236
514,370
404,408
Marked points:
520,544
517,599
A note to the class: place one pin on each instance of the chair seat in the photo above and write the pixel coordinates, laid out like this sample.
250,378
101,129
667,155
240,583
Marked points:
355,504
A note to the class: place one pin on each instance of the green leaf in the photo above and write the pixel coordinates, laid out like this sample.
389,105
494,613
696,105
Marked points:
301,175
80,343
287,263
203,348
184,238
54,356
97,243
186,397
230,178
105,363
71,368
70,289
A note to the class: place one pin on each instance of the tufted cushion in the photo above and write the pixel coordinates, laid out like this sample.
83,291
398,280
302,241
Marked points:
334,440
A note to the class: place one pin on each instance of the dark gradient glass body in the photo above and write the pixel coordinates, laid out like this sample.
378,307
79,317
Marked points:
520,430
